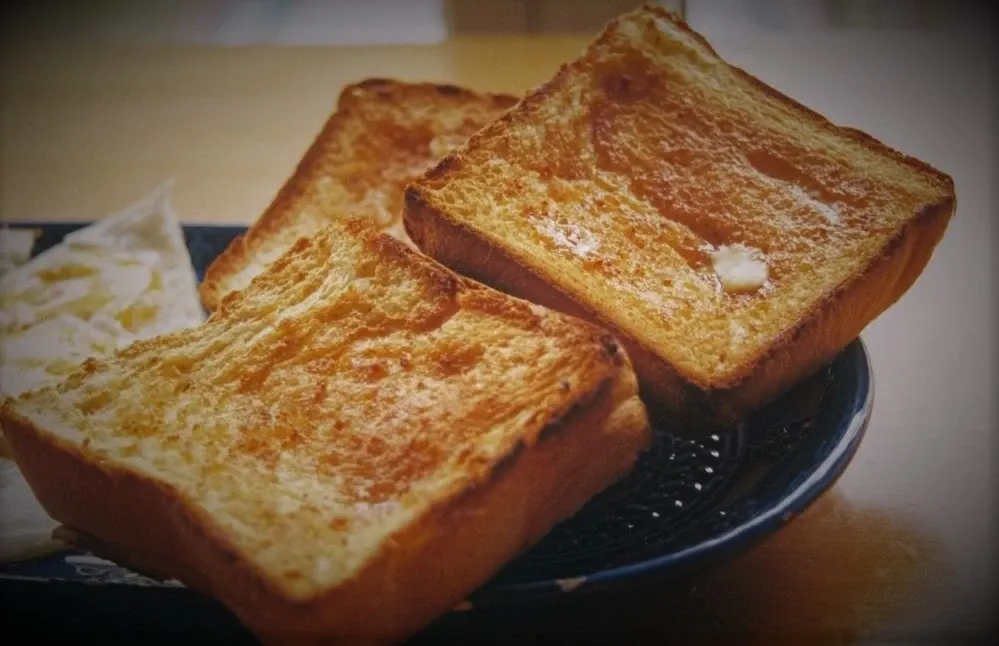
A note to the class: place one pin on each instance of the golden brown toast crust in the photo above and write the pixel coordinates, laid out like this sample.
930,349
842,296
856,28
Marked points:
402,589
670,398
382,134
515,447
604,191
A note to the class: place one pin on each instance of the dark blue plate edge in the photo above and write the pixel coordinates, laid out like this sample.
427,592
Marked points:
742,537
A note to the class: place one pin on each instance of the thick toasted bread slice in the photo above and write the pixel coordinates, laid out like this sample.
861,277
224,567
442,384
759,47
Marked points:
382,134
346,448
732,238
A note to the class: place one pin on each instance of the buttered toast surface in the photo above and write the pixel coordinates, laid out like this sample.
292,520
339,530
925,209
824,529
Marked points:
345,448
733,238
382,134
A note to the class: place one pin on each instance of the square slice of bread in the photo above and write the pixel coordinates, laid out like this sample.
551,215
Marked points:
732,238
382,134
345,449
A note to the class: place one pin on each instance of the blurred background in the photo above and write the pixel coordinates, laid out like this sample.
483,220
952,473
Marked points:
349,22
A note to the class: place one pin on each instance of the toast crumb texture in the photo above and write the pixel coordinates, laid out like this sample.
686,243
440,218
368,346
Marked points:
382,134
607,191
346,448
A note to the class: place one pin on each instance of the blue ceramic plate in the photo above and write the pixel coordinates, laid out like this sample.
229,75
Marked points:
688,502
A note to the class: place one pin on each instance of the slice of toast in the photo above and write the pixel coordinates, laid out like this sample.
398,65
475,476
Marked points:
732,238
346,448
382,134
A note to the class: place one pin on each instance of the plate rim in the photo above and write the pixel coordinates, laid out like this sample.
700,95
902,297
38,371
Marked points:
849,435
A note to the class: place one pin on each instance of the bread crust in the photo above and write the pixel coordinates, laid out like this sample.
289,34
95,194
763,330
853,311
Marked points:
332,164
671,399
693,401
428,567
494,504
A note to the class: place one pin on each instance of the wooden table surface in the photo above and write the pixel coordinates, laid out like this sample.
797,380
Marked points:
902,548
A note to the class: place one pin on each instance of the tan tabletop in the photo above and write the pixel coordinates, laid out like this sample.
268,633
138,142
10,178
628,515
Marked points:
903,545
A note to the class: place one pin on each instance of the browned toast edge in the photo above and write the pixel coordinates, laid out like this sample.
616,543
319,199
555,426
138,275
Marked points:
670,396
239,251
422,571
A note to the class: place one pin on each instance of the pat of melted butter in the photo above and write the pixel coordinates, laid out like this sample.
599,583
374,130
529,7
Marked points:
739,268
